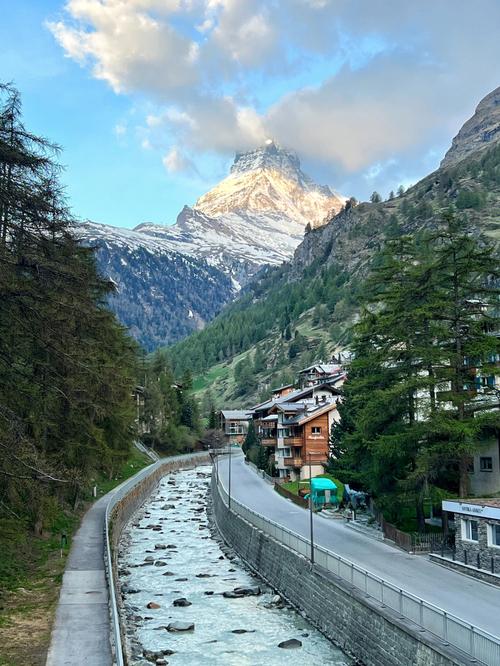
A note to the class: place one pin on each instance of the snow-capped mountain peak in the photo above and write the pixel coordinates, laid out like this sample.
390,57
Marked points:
254,217
269,179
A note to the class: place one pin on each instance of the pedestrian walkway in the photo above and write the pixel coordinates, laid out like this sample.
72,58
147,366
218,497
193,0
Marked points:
471,600
81,633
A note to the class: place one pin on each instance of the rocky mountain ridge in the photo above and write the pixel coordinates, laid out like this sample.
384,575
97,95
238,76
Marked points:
480,131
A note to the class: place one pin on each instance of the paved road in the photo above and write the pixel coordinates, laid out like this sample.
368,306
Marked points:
471,600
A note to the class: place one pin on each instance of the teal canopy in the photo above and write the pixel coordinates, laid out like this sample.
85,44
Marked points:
322,484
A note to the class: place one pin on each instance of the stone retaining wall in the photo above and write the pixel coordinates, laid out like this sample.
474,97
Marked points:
131,496
474,572
358,624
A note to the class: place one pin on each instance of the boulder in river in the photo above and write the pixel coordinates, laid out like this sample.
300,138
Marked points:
180,626
291,644
160,546
153,604
248,591
182,602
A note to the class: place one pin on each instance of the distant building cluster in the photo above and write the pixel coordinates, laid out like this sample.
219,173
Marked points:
295,422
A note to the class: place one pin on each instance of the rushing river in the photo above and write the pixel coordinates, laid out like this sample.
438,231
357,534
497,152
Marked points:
185,561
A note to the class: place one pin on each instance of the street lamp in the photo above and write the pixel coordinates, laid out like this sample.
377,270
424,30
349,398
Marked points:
311,513
229,483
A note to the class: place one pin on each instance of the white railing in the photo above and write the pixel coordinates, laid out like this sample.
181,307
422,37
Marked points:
479,646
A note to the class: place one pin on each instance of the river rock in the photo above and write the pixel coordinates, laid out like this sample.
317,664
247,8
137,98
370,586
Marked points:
168,573
204,575
160,546
153,604
159,563
180,626
248,591
243,631
182,602
149,558
291,644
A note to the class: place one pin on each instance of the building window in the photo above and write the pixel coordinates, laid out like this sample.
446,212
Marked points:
470,530
236,429
494,535
486,464
316,430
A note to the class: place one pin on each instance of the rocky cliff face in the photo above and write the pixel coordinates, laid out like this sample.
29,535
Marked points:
480,131
253,218
269,180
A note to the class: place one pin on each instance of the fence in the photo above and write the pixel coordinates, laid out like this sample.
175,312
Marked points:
291,496
477,644
412,542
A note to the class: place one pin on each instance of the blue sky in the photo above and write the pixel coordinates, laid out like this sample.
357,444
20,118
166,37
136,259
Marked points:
150,98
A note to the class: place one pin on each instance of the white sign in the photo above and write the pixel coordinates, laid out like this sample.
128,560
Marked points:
478,510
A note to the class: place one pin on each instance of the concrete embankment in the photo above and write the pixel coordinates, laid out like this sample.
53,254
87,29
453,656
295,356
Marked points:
357,623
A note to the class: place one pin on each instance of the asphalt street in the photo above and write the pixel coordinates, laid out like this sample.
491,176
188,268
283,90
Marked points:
469,599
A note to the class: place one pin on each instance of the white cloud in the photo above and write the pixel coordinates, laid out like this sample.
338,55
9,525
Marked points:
175,162
391,79
120,129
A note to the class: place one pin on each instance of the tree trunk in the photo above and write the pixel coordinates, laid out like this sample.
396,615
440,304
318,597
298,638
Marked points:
463,489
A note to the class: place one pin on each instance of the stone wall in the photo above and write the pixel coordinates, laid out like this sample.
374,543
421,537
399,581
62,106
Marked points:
476,553
480,574
358,624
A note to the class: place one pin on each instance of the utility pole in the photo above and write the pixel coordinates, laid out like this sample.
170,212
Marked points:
229,484
311,510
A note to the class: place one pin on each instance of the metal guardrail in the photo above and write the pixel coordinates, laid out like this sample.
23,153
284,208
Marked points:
117,496
478,645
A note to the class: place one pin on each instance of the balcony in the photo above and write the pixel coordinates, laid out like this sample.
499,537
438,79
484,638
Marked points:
268,441
293,441
293,462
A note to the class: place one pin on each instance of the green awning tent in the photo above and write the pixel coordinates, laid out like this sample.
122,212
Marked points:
324,491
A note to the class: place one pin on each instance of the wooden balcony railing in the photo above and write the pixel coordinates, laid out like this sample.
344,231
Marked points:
293,462
294,441
268,441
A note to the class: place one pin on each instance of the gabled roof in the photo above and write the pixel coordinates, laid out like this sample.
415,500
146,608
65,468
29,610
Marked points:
324,368
311,414
280,388
271,418
235,414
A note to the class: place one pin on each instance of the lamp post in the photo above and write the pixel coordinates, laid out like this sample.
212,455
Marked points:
311,512
229,482
311,509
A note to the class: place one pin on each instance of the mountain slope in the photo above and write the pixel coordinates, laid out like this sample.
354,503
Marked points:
301,310
182,275
480,131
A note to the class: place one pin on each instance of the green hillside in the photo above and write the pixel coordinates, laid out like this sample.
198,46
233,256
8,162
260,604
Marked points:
302,311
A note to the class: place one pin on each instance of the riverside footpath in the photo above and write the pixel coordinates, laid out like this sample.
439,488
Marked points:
471,600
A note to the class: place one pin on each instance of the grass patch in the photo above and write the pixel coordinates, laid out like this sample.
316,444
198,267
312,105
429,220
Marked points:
293,486
31,571
202,382
134,463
